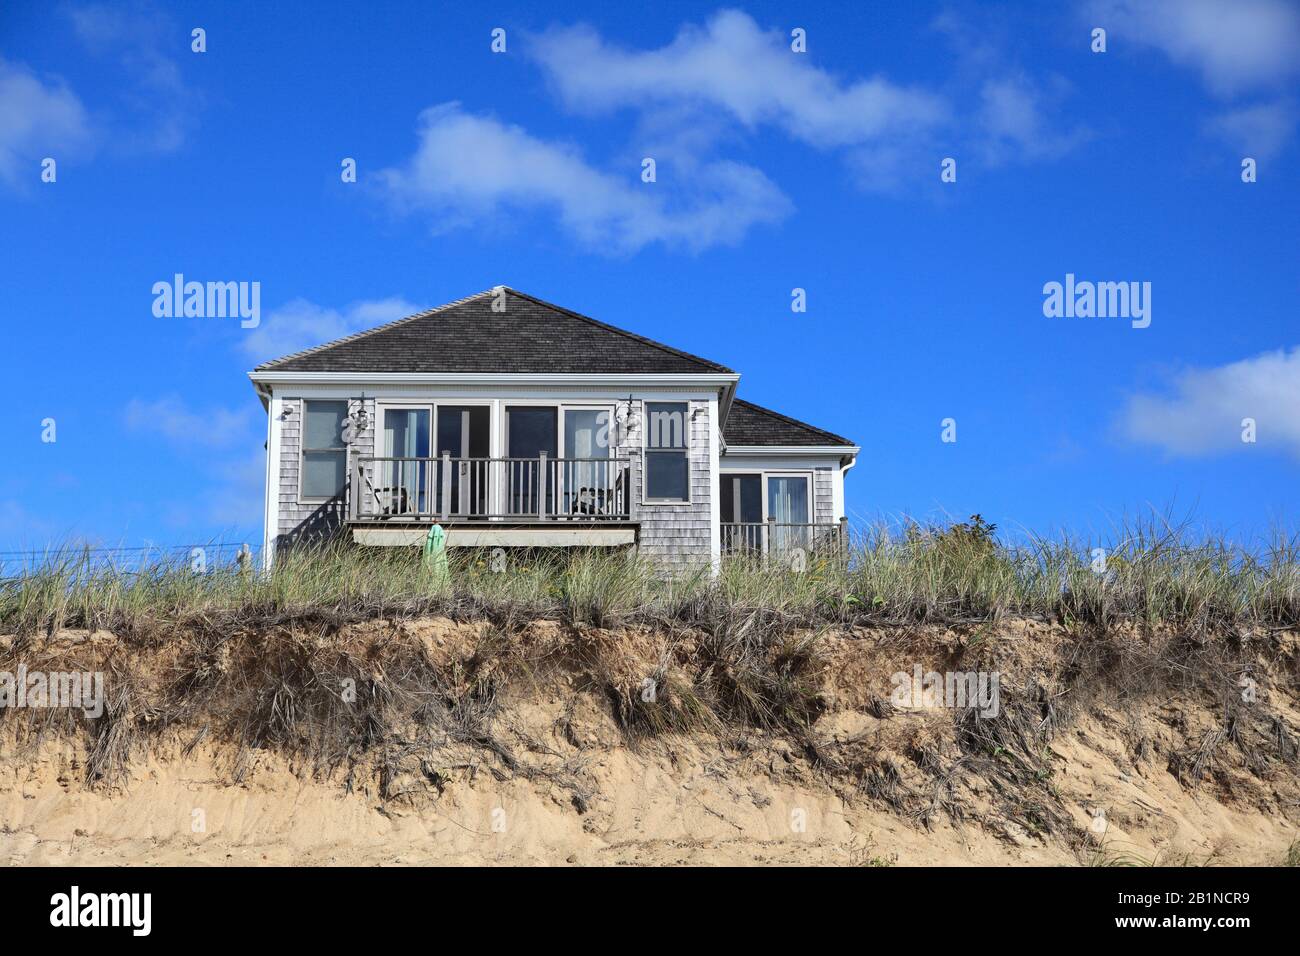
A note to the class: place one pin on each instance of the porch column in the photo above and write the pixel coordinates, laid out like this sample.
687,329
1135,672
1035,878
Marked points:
446,484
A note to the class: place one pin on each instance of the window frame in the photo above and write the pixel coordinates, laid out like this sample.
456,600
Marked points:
809,492
303,451
647,451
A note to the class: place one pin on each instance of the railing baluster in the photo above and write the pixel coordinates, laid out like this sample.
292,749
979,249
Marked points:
445,482
541,486
544,488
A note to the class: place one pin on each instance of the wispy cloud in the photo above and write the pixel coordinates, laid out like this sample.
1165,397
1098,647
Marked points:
38,118
712,85
236,499
225,472
1014,124
731,76
177,422
1260,130
469,168
1202,413
733,65
300,324
1008,114
154,108
1239,48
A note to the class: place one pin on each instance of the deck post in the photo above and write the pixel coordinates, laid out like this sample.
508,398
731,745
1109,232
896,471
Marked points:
446,484
844,537
769,535
541,486
353,485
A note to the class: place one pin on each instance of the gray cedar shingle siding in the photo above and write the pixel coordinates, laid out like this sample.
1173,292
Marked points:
679,537
823,496
302,520
469,336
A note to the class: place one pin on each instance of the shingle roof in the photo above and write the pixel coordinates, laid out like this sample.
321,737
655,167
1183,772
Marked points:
750,424
529,335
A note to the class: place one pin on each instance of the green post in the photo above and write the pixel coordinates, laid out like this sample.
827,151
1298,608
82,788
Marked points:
435,554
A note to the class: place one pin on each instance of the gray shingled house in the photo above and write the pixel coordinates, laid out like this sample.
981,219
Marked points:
512,422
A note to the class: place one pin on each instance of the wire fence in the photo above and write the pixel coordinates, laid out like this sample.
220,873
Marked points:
199,557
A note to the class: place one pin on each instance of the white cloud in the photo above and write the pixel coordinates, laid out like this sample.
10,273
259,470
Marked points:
37,119
1260,130
174,420
1013,121
151,89
470,168
734,66
1203,413
300,325
1237,45
730,74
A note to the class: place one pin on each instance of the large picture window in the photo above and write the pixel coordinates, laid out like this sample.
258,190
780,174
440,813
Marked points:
667,452
324,454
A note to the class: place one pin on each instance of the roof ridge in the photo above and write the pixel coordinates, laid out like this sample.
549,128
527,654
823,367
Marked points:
378,328
624,332
791,421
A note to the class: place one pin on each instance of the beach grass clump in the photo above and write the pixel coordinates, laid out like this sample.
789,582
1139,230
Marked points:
1147,572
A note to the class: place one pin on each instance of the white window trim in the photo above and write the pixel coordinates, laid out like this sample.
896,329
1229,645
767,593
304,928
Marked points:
765,474
812,490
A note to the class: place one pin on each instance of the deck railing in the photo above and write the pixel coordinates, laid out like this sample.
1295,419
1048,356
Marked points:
775,537
516,489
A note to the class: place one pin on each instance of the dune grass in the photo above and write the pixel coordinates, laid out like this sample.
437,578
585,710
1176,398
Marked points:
909,573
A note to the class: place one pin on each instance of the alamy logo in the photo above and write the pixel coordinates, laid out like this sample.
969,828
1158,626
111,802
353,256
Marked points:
974,689
1101,300
209,300
103,909
55,689
666,428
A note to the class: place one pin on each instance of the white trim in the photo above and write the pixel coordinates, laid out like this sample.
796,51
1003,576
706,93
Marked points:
840,450
468,394
837,490
698,380
715,498
271,507
544,537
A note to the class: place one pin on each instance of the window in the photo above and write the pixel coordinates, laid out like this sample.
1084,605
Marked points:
324,455
787,502
667,458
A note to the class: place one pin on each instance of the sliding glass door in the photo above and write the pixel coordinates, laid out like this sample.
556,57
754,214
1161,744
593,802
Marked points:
464,434
587,481
531,431
410,479
404,479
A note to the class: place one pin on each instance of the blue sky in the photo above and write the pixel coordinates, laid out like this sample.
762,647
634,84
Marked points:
775,170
